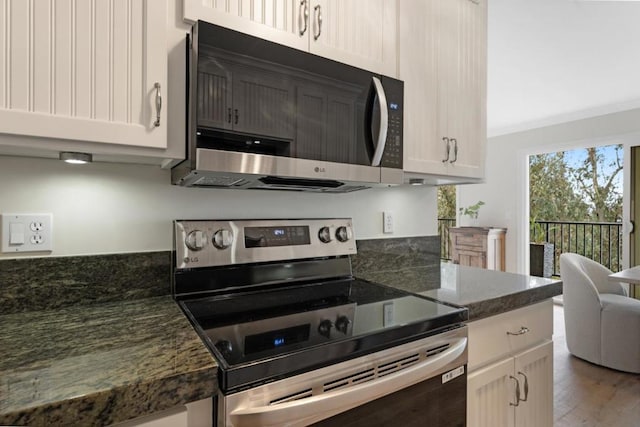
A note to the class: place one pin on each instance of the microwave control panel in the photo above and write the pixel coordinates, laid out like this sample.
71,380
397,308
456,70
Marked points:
394,90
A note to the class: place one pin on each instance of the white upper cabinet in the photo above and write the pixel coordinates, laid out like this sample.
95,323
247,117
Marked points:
84,70
442,61
357,32
361,33
279,21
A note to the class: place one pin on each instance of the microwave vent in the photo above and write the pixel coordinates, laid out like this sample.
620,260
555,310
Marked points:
219,181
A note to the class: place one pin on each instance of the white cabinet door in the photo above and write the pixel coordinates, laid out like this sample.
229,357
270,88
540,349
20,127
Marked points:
466,95
534,369
425,150
442,60
84,71
361,33
491,396
279,21
516,391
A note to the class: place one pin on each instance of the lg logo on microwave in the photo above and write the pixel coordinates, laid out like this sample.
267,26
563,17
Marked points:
318,169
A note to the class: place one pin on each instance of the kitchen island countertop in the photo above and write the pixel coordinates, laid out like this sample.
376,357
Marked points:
100,364
483,292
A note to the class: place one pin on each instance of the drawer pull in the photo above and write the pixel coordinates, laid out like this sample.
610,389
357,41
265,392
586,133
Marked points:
523,330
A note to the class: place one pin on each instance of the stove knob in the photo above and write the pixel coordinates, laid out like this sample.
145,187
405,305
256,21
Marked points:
196,240
224,347
342,324
344,234
324,234
324,328
222,239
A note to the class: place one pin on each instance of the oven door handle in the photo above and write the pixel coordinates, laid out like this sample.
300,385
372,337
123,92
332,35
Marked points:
311,409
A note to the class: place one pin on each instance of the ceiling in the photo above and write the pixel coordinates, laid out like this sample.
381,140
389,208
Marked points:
552,61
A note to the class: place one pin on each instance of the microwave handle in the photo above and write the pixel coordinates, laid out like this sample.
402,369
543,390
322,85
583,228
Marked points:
384,122
314,408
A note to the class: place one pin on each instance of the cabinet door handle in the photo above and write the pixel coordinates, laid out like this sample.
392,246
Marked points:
446,140
523,330
303,16
318,12
517,391
158,104
526,386
229,115
236,116
455,150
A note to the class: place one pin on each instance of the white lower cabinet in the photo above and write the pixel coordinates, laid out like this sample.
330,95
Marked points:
511,385
194,414
516,391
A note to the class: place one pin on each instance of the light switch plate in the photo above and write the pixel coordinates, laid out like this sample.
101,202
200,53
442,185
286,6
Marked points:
27,232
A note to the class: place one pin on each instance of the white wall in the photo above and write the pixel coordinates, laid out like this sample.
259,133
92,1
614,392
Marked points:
112,208
505,188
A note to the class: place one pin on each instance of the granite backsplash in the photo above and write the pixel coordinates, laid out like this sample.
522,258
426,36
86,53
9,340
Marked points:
33,284
380,260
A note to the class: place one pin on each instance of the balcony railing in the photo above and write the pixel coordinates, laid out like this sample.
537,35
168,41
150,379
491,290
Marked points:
600,241
443,232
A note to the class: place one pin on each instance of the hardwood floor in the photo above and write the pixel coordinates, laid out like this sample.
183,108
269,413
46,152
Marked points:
588,395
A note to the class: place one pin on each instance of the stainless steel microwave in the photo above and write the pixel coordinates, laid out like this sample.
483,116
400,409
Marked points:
265,116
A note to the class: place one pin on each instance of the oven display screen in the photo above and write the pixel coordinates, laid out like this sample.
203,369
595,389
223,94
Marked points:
274,339
264,237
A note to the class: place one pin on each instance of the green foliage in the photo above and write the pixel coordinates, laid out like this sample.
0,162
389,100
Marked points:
586,192
582,193
472,211
537,232
447,201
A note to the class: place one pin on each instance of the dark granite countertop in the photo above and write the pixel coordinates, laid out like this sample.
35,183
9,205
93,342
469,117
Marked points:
100,364
484,292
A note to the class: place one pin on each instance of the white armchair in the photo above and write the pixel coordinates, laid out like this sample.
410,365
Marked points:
602,324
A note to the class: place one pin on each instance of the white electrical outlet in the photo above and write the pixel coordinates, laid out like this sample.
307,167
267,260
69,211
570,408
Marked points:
387,222
27,232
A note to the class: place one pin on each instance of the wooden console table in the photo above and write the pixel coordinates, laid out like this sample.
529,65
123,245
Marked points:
482,247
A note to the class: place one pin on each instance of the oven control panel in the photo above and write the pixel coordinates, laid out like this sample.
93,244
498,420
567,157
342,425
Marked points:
209,243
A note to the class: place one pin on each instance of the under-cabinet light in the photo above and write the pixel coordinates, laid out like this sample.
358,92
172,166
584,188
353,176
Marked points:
416,181
76,158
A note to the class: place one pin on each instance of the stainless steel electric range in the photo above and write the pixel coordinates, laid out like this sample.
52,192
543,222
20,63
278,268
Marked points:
300,341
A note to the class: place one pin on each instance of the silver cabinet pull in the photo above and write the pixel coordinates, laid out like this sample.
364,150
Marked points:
158,104
455,150
303,16
517,391
446,140
384,122
526,386
318,12
523,330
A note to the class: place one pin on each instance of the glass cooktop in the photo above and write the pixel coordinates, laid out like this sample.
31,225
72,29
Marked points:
266,335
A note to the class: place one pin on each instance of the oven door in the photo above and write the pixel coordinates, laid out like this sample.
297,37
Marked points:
421,381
